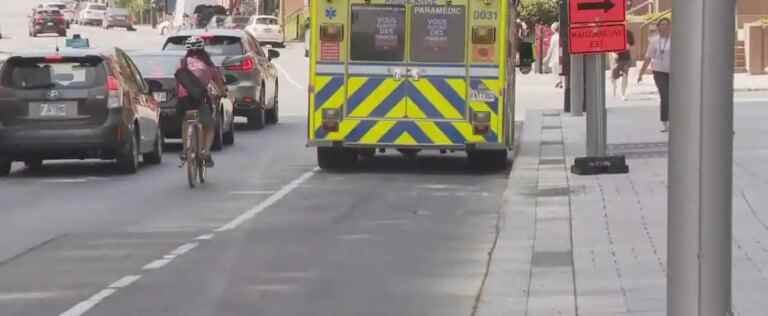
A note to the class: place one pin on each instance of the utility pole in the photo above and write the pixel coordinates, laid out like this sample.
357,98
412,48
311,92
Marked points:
701,159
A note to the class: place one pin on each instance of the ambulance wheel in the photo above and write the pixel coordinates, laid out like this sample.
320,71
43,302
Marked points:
336,158
487,160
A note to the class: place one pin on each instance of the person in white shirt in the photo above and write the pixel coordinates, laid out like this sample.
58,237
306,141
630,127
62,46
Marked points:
553,55
659,56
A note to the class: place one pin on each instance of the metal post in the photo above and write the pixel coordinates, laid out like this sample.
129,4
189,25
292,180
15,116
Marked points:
594,96
701,159
565,26
577,85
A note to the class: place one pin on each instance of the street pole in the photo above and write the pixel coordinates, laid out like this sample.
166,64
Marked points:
701,159
594,97
565,26
576,80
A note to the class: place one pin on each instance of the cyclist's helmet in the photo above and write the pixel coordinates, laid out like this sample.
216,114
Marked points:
194,43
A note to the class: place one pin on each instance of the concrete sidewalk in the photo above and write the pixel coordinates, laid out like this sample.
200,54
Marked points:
596,245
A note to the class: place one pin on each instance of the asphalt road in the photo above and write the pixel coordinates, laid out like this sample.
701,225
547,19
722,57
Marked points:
268,235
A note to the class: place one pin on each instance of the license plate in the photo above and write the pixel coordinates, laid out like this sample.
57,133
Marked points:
50,23
160,96
53,109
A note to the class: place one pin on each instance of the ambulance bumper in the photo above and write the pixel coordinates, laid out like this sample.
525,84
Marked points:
461,147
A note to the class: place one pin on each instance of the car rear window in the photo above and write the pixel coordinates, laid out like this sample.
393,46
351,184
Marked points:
97,7
267,21
214,45
118,11
157,66
240,20
46,73
58,6
49,12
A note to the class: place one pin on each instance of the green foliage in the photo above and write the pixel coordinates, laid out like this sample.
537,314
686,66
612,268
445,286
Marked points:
534,12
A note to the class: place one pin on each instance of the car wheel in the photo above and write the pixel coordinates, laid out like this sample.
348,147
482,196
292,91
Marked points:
156,156
5,167
128,162
273,117
34,164
257,119
229,137
218,137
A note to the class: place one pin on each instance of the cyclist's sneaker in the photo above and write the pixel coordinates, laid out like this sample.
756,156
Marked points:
209,162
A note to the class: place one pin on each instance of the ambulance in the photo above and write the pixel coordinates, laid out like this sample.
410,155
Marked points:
411,75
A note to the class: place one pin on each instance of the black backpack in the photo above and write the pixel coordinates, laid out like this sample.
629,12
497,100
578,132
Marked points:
196,90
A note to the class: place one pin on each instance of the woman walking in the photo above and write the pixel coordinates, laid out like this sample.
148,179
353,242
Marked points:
553,54
660,57
621,69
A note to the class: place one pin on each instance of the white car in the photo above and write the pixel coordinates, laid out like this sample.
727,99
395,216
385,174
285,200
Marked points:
92,14
267,30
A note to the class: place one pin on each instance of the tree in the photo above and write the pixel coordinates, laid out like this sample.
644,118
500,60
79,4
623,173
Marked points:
534,12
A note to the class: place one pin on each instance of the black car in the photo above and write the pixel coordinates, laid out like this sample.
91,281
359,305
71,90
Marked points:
47,21
160,66
77,104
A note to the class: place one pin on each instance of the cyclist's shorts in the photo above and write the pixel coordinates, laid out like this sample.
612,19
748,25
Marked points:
205,113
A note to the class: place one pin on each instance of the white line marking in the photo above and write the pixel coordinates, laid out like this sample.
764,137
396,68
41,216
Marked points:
288,77
157,264
204,237
125,281
65,181
29,295
183,249
251,192
272,199
83,307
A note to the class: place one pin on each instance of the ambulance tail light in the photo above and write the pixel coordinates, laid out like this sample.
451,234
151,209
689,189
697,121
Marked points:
331,32
481,122
331,119
484,35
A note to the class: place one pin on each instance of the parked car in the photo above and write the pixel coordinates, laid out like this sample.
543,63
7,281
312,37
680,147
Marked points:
47,21
239,54
77,104
92,14
118,17
266,29
161,66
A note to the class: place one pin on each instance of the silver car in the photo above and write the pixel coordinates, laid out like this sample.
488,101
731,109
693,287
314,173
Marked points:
118,17
238,53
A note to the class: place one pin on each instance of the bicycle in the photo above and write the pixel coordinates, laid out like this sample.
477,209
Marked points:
193,143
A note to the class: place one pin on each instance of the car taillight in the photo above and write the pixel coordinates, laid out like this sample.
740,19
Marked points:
60,18
54,58
113,86
244,66
39,19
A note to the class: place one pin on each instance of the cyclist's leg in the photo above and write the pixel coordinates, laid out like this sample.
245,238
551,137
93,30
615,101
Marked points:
209,131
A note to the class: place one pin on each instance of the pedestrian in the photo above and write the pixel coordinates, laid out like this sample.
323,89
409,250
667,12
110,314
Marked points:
553,55
659,57
621,69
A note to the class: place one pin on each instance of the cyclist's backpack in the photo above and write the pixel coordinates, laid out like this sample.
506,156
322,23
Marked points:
187,79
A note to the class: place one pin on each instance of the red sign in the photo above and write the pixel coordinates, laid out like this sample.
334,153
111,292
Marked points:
598,39
597,11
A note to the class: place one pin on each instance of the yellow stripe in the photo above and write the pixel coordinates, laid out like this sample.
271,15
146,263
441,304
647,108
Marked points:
437,99
398,111
434,133
377,132
466,131
405,139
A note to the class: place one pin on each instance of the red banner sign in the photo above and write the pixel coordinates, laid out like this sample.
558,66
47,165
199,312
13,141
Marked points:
598,39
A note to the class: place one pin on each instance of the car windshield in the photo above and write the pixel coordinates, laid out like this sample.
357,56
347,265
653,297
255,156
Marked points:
153,66
117,11
266,21
215,45
97,7
41,73
59,6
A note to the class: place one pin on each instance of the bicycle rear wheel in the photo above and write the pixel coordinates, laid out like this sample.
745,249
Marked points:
191,149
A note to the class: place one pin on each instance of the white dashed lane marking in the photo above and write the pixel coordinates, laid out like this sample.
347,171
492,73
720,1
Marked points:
86,305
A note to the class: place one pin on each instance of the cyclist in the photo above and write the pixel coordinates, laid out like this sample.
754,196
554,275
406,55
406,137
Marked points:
199,63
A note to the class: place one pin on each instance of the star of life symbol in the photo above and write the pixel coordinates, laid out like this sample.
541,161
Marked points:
330,13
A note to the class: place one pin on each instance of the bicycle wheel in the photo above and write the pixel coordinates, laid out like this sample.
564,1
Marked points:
191,148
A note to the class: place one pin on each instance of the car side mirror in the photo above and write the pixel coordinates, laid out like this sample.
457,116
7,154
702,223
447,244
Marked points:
272,54
154,85
230,79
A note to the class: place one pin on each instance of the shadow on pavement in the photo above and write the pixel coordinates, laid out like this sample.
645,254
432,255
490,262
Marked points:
453,164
